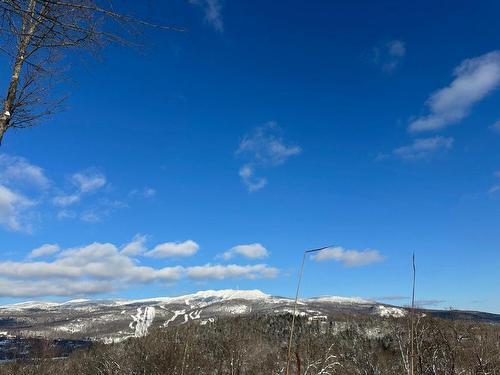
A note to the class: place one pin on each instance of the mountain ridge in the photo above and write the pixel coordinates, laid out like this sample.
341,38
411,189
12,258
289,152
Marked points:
115,320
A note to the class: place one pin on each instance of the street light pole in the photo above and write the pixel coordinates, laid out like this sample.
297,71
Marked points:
295,305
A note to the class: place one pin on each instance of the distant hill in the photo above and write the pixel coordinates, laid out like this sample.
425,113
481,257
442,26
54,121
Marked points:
115,320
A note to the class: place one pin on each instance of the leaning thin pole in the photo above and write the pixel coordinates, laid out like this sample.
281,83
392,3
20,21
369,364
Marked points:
412,335
295,305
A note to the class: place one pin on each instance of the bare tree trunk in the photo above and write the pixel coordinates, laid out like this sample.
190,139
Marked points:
36,31
298,362
27,29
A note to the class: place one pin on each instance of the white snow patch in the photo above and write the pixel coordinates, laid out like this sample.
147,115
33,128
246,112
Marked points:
142,320
31,305
342,300
176,314
205,321
74,301
203,298
317,317
237,309
290,311
387,311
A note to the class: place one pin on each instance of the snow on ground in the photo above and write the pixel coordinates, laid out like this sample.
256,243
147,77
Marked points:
31,305
387,311
343,300
203,298
73,327
290,311
143,320
193,315
75,301
172,319
205,321
237,309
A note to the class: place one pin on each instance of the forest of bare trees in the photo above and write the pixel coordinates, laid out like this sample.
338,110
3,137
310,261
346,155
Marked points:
258,345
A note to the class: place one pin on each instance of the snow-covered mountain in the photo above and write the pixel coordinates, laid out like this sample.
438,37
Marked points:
115,320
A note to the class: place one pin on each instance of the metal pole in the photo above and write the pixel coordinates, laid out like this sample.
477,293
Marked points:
412,338
295,306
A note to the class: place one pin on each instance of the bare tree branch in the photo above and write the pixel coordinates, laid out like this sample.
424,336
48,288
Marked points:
33,34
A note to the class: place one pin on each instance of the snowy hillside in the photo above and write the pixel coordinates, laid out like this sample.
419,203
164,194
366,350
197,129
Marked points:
115,320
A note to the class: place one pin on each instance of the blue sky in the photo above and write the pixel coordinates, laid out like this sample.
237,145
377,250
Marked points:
212,158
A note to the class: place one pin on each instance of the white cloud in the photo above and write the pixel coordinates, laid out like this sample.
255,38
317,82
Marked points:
66,200
213,12
101,210
251,251
136,246
26,190
17,170
496,127
149,192
174,249
21,186
103,268
44,250
495,188
21,288
424,148
95,210
474,79
86,182
13,206
349,258
90,216
389,55
95,268
220,272
66,214
263,148
252,183
146,192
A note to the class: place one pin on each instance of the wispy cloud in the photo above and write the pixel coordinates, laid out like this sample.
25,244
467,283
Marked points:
474,79
424,148
253,183
21,185
429,302
44,250
100,209
13,206
221,272
349,258
26,190
17,170
174,249
85,182
104,267
213,12
389,55
263,148
146,192
251,251
495,188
